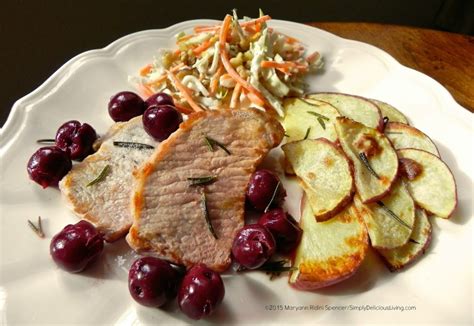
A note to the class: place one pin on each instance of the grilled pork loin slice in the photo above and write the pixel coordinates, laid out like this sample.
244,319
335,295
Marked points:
169,214
105,202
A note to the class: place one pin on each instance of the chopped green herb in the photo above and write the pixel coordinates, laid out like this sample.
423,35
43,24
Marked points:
321,122
286,135
307,133
364,160
46,141
37,229
128,144
317,115
202,180
206,214
393,215
212,142
414,241
100,177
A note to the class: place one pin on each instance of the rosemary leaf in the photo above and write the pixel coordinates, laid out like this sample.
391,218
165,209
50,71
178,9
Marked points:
393,133
211,142
37,229
128,144
393,215
317,115
307,133
206,214
273,197
100,177
202,180
364,160
321,122
46,141
286,135
414,241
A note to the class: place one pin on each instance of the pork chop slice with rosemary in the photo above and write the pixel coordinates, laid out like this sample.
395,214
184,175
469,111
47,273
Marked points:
98,188
189,198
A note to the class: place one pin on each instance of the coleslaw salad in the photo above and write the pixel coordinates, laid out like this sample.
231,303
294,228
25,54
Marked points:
238,63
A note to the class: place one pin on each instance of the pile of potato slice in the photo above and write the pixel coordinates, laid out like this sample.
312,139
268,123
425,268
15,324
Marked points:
370,179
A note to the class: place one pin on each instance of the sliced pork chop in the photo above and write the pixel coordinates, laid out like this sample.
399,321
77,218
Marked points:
169,215
106,202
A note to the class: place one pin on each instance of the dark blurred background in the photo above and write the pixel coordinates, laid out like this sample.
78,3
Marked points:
37,37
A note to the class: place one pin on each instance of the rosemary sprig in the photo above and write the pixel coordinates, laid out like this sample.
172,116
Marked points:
393,215
46,141
206,214
364,160
273,197
212,142
202,180
128,144
100,177
37,229
414,241
275,268
307,133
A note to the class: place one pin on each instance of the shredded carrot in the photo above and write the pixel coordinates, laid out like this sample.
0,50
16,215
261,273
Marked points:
185,38
177,52
284,66
183,109
256,21
255,99
146,70
250,23
312,57
227,65
215,79
202,47
157,82
235,96
184,92
145,90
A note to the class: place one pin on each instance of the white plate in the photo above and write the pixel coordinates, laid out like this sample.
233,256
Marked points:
34,290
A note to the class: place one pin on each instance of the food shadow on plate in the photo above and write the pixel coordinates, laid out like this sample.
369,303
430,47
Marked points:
113,263
463,211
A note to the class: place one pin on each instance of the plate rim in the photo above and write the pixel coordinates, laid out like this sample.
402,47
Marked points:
18,110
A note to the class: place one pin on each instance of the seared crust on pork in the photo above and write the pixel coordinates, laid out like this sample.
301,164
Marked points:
168,213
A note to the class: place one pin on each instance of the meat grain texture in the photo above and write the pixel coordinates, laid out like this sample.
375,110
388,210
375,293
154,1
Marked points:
168,213
106,204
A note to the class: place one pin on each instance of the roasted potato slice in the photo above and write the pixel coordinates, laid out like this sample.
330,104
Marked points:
389,221
404,136
354,107
330,251
310,120
324,172
434,188
390,112
419,241
374,159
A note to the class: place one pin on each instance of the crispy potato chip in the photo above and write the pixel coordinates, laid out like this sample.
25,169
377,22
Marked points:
324,172
419,241
300,116
390,112
434,189
389,221
375,161
330,251
354,107
404,136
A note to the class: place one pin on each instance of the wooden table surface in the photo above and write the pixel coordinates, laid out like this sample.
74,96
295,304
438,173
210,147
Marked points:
446,57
